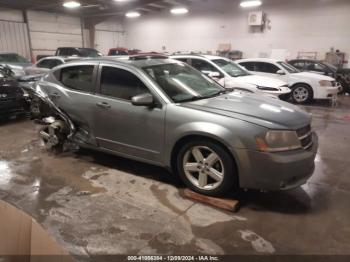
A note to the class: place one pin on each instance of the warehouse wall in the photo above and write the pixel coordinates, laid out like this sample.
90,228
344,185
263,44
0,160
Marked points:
13,33
109,34
49,31
313,25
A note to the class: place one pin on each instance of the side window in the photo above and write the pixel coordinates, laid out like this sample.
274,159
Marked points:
78,77
73,52
266,68
54,63
44,63
299,65
185,60
203,66
122,84
62,51
248,65
319,68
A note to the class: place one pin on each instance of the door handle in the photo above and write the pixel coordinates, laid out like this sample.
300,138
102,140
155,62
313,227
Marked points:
55,95
104,105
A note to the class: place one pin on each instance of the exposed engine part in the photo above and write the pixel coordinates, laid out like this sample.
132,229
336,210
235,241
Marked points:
54,135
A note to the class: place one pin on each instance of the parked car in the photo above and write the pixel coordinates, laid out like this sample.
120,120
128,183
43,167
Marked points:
77,51
44,65
305,86
324,68
13,101
166,113
16,62
232,76
119,51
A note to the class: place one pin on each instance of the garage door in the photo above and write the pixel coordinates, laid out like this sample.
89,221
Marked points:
14,38
106,40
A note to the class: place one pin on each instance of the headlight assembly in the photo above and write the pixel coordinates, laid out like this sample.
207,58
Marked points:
325,83
278,141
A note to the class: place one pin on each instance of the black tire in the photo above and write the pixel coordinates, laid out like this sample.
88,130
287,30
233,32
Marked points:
229,180
345,87
301,94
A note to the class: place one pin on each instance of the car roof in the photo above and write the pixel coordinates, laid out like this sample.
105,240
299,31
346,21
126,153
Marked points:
268,60
137,63
305,60
65,58
210,57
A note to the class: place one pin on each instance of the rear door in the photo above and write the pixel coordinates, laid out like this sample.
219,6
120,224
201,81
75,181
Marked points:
135,131
75,93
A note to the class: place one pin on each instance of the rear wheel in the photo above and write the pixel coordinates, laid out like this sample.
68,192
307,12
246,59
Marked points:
301,94
206,167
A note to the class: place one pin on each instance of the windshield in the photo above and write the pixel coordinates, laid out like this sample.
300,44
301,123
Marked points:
291,69
87,52
183,83
12,58
231,68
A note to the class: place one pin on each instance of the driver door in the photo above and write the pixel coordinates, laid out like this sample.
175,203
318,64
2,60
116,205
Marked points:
135,131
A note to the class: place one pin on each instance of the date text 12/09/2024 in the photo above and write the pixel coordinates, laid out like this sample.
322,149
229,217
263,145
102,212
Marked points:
173,258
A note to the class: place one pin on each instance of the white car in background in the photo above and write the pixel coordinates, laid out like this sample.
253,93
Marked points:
232,76
305,85
44,65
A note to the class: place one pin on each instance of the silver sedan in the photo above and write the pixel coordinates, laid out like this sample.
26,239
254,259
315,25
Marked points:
166,113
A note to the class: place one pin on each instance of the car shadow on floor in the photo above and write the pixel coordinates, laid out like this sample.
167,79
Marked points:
290,202
132,167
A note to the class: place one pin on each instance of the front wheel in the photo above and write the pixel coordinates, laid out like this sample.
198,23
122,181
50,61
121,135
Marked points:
206,167
301,94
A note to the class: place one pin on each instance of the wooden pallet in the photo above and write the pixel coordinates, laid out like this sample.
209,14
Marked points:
222,203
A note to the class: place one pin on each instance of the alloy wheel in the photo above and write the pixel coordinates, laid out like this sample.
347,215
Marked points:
203,168
301,94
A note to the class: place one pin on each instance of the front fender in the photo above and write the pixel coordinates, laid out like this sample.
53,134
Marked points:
204,129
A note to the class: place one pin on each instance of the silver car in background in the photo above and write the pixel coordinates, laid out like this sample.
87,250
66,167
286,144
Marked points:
44,65
166,113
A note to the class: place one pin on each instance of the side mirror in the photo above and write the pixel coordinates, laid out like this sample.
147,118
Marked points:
143,100
280,72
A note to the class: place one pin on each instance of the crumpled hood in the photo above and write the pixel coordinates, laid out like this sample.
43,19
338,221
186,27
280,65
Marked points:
261,81
312,76
267,112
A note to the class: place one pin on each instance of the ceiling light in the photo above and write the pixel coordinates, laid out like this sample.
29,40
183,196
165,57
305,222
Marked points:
71,4
179,11
251,3
132,14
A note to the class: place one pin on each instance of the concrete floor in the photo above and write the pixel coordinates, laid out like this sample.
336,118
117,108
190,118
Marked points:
95,203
